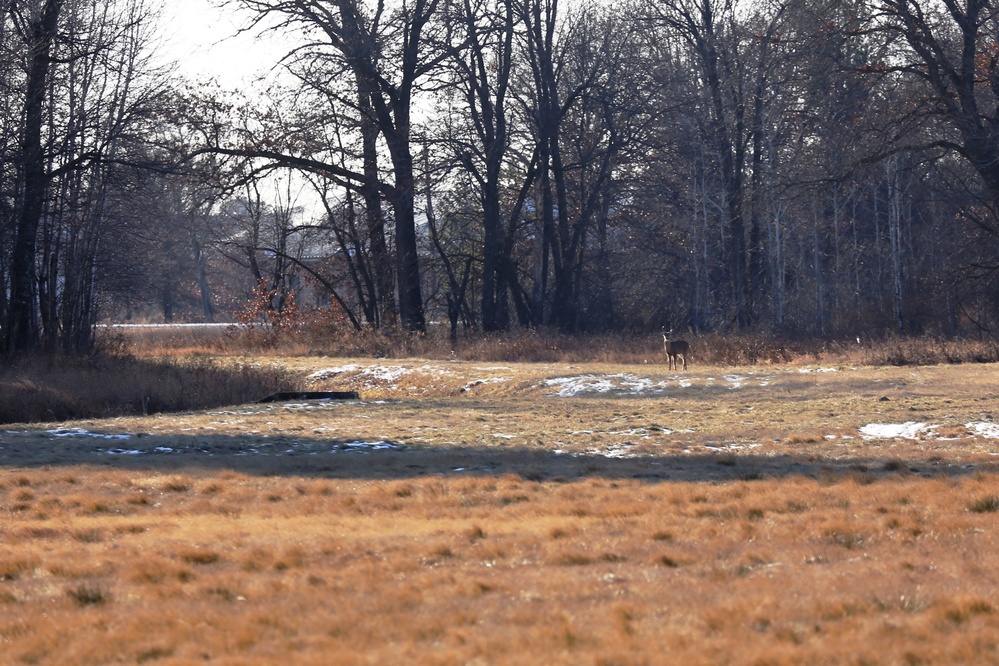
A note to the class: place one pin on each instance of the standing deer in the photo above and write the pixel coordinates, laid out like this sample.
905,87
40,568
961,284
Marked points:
674,349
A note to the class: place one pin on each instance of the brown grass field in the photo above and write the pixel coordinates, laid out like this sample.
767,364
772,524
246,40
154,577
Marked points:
467,512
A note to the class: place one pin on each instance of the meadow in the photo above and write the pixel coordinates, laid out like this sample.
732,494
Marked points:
810,510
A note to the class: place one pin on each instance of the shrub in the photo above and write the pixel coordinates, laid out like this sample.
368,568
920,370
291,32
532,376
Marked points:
88,595
988,504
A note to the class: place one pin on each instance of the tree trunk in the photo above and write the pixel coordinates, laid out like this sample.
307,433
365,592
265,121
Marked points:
406,250
384,276
207,309
22,332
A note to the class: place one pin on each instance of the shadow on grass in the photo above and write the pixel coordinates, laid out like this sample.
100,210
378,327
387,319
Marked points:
344,459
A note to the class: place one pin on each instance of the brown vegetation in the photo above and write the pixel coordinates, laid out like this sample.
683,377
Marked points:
509,513
162,369
543,347
61,388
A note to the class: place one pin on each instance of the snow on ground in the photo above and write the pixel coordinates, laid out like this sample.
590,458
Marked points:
377,373
644,433
736,380
627,449
251,448
80,432
907,430
729,447
622,450
327,373
623,383
371,446
740,381
384,373
984,429
565,386
388,376
261,449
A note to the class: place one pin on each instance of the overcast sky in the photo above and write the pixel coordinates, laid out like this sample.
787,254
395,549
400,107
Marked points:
205,43
203,40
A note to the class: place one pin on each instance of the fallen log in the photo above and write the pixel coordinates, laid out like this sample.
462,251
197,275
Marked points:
283,396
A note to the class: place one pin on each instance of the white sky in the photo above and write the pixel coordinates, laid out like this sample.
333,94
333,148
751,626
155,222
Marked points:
204,41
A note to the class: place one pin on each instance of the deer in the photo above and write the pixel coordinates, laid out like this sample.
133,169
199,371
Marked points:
675,349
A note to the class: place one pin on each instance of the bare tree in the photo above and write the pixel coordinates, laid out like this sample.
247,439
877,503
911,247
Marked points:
707,28
387,51
38,27
88,88
481,73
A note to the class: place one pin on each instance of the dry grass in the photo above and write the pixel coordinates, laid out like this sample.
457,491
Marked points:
175,368
548,346
719,516
58,389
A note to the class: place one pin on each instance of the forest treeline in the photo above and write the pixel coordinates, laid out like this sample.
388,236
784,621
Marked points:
820,168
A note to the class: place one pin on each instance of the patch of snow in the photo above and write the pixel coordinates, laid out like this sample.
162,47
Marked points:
265,449
377,373
985,429
618,451
907,430
361,446
572,386
639,385
502,436
385,373
806,370
731,447
622,450
626,383
644,433
736,380
326,373
80,432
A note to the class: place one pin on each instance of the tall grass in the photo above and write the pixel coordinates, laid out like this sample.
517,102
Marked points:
61,388
543,346
931,351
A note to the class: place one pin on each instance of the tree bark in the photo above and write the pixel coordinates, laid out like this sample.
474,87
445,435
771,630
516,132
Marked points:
22,332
